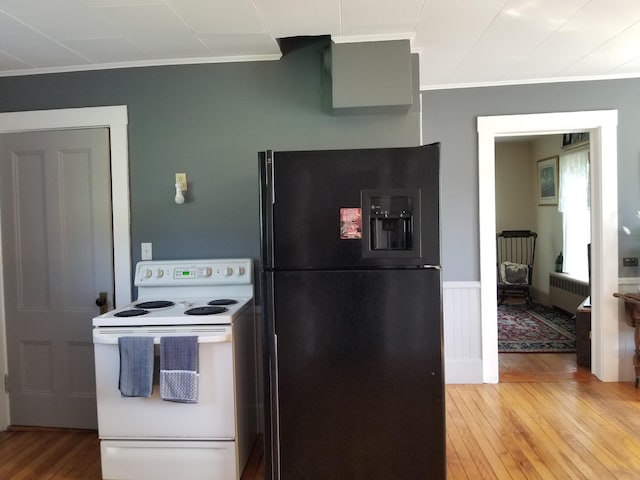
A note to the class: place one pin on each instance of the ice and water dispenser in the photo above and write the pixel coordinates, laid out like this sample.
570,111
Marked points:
391,223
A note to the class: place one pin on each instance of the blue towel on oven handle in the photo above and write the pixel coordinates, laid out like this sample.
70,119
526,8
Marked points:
179,369
136,366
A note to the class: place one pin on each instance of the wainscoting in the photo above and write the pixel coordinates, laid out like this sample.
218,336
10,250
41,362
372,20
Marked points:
462,332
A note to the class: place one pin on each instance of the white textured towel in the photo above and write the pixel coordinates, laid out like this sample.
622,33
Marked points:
179,386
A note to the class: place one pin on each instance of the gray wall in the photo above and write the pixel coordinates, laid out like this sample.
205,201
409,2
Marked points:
449,116
210,121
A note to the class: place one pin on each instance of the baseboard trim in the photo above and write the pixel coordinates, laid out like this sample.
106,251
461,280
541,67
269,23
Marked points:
463,371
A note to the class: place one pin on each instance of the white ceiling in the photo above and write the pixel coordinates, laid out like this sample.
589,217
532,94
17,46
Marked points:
460,42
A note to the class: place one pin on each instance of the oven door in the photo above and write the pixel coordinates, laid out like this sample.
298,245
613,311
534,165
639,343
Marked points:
212,418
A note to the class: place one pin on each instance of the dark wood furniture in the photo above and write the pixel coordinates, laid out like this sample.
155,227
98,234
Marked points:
515,253
583,333
632,317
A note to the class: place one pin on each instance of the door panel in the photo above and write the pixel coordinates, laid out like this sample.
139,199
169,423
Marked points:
29,216
57,250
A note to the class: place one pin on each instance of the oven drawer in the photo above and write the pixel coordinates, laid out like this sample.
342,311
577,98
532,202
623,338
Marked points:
168,460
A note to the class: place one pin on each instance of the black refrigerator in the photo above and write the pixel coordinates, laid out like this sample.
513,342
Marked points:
352,314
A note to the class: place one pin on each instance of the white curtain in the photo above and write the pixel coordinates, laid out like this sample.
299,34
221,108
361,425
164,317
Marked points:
574,204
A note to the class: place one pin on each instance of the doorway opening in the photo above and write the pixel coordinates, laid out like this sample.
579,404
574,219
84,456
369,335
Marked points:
602,126
536,322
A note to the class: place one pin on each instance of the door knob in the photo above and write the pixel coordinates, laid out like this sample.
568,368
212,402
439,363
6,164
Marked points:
101,302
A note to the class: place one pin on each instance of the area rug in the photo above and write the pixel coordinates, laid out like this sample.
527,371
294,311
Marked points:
538,329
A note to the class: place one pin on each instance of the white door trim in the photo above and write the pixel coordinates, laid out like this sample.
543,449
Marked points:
115,118
602,126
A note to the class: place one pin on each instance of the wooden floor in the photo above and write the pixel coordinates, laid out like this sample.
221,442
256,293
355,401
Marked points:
545,430
541,367
49,455
546,419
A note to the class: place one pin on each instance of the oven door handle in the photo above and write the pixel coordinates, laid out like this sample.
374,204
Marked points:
112,339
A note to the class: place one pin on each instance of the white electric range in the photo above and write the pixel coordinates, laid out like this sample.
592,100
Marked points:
149,438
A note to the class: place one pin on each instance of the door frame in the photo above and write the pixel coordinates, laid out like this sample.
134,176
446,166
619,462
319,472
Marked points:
602,126
115,118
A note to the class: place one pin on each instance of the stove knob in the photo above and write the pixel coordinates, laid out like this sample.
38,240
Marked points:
160,273
240,271
228,271
207,272
148,273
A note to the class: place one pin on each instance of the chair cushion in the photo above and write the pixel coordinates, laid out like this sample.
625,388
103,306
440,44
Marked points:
514,273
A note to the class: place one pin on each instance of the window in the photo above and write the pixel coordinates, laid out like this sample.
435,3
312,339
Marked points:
574,204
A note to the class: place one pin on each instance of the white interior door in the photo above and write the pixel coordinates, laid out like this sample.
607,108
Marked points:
58,257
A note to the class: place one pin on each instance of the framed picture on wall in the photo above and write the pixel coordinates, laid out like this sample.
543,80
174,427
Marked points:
548,181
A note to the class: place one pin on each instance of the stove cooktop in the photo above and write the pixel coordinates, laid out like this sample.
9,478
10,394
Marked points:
186,292
176,312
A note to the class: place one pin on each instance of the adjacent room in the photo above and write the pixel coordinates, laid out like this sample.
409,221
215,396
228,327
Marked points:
543,240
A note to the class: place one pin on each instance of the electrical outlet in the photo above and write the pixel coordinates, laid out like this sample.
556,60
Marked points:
630,261
181,179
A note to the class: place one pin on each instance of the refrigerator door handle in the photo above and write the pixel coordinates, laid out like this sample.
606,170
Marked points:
267,200
270,178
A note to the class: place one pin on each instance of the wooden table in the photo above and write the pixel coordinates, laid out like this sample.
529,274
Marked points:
632,310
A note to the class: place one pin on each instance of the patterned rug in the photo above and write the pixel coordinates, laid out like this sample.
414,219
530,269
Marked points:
536,330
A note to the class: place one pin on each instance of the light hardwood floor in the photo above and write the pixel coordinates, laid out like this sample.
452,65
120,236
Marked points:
541,367
555,424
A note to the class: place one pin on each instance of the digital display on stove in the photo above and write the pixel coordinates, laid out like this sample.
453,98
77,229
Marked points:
190,273
184,273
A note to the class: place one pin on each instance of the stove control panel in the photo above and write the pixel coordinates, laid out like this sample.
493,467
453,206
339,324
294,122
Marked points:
194,272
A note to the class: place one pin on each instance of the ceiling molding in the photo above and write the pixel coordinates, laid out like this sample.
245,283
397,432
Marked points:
138,64
533,81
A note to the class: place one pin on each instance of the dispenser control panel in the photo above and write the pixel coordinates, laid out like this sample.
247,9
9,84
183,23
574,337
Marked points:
391,226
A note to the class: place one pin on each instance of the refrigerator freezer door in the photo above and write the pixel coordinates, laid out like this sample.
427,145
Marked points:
350,208
359,390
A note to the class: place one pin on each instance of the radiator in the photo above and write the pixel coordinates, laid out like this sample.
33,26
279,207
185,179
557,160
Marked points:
566,292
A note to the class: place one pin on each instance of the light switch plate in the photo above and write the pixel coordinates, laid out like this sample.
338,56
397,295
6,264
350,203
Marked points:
146,251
